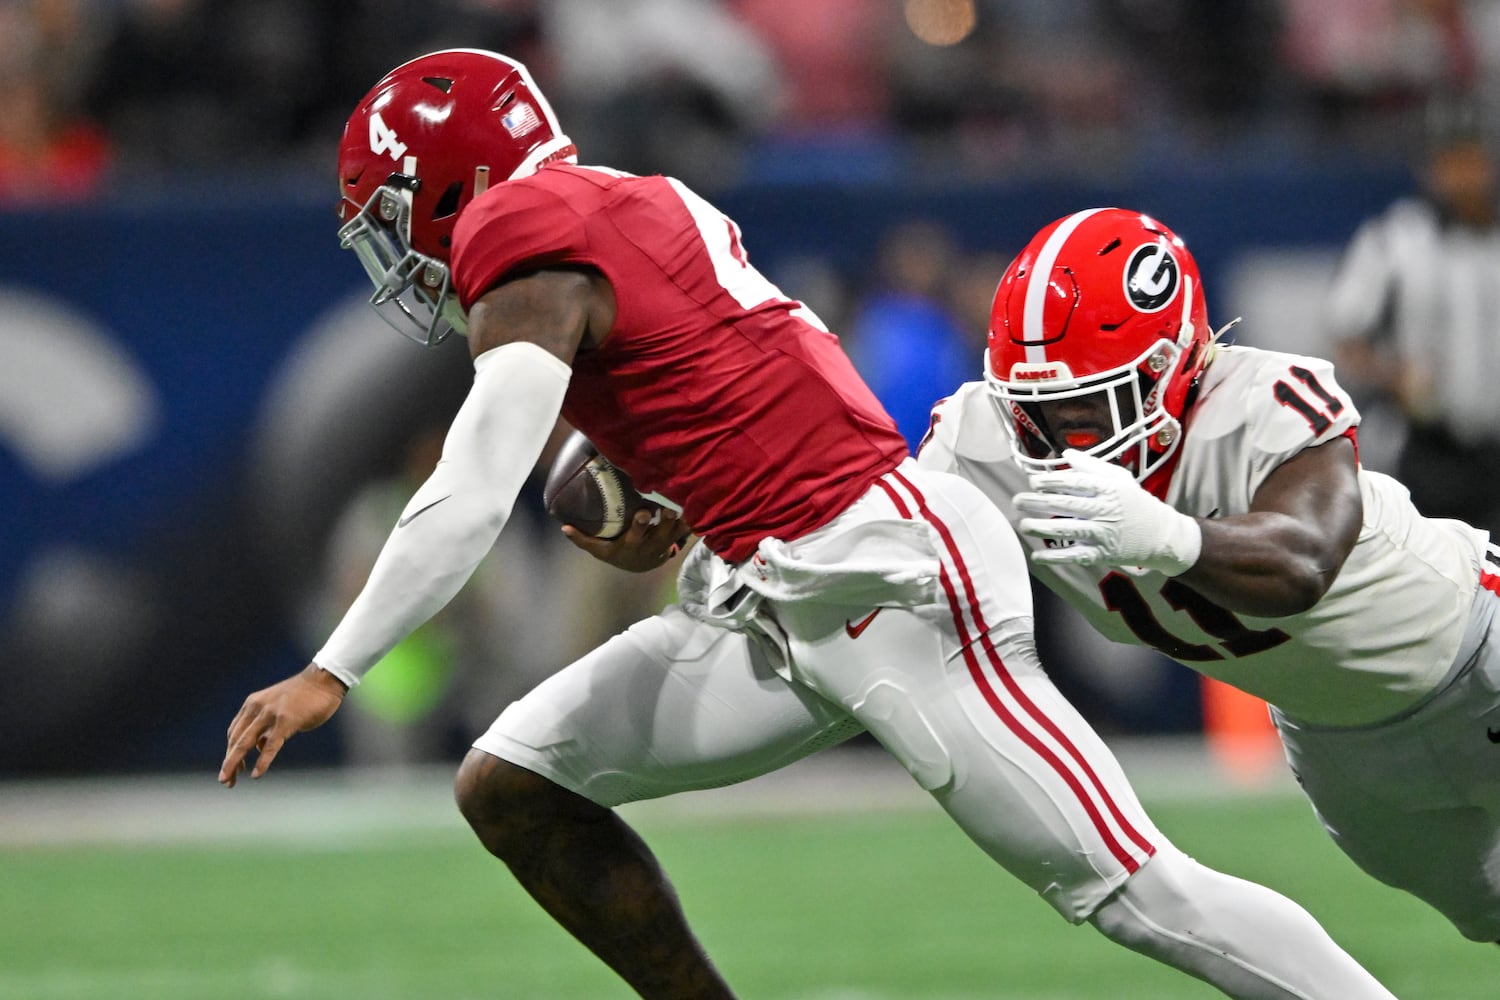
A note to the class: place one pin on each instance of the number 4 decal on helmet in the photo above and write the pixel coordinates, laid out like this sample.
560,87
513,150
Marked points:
383,138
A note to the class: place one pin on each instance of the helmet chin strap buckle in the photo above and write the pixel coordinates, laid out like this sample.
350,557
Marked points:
400,187
404,182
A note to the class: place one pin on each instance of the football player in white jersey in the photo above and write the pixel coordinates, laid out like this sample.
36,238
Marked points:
1207,500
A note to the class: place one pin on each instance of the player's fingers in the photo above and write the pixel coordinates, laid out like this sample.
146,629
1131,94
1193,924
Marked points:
248,708
651,538
1041,504
1072,555
238,741
229,772
270,746
1090,464
1060,505
1062,529
1065,481
240,745
253,730
588,543
1048,504
1039,527
668,530
642,524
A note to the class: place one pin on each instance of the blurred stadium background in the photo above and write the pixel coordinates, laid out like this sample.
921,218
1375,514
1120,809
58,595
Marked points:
195,403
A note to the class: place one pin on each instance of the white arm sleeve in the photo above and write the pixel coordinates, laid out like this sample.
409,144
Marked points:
451,522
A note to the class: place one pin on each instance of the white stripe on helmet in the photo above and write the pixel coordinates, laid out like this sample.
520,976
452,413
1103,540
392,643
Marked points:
1032,332
1185,326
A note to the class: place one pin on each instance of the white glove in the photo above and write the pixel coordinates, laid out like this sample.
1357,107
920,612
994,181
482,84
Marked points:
1104,517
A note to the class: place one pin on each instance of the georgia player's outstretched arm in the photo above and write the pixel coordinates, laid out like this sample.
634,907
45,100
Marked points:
1281,556
1278,558
523,335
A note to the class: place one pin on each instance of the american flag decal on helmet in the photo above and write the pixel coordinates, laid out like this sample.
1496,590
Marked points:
520,119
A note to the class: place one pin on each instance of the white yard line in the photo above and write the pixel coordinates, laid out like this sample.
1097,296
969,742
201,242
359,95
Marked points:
312,809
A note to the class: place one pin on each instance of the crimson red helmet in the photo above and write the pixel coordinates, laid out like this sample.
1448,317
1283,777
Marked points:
421,145
1102,301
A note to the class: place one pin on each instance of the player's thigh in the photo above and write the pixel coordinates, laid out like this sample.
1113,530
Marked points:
667,706
1395,800
956,693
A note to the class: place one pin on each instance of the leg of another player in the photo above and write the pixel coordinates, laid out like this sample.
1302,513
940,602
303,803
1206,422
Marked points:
1244,938
592,873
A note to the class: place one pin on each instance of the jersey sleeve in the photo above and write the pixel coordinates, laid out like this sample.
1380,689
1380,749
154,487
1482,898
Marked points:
938,450
519,225
1292,404
968,440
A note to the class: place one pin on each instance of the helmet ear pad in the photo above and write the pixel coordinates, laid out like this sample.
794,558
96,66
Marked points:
1104,300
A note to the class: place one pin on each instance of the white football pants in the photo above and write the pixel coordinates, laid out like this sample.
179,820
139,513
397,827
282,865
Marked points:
946,678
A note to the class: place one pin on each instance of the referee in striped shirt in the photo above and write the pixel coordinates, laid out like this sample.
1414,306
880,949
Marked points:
1414,313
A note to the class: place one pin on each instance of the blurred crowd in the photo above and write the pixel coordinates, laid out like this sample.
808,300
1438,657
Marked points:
98,93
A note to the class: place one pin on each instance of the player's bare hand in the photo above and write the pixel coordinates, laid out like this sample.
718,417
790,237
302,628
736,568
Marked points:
273,715
643,546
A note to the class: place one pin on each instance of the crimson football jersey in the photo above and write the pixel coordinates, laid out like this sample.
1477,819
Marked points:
713,388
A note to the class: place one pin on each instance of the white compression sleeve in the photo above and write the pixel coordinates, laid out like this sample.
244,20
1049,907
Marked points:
451,522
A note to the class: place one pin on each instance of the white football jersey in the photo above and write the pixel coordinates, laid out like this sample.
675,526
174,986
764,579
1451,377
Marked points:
1381,638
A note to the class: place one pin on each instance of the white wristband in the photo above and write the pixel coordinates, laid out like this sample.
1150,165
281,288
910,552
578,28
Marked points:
452,521
1179,546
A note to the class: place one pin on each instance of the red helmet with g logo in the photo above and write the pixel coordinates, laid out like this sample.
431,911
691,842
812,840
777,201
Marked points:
1105,301
423,143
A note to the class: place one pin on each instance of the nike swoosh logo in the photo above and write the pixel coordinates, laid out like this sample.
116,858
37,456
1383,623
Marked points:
1493,734
409,518
855,629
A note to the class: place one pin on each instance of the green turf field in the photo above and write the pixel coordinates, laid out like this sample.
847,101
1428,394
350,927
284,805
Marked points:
889,906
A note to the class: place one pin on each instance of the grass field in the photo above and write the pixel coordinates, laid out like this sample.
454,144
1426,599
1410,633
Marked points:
873,899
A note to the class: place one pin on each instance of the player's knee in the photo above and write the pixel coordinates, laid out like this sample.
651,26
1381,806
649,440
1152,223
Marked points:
1121,920
506,804
1152,905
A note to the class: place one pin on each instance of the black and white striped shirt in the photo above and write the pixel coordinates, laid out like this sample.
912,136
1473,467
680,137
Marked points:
1430,290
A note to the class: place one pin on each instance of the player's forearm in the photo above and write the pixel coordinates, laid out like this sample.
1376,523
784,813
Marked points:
423,565
451,523
1263,564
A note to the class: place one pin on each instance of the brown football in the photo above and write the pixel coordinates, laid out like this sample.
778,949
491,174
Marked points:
589,492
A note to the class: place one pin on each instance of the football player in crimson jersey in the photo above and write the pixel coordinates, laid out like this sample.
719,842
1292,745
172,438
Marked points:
1208,501
837,588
